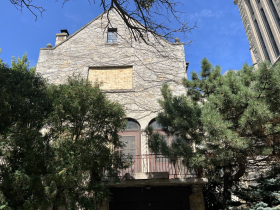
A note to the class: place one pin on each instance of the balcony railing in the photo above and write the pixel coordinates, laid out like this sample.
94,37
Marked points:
157,163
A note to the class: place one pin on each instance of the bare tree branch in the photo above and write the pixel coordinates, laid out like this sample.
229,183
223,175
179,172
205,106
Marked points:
156,16
20,4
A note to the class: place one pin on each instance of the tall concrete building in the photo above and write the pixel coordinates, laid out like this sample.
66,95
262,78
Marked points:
261,19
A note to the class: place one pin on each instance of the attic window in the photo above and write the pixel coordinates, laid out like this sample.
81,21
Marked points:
112,35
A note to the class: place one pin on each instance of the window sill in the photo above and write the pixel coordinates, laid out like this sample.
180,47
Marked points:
118,90
114,44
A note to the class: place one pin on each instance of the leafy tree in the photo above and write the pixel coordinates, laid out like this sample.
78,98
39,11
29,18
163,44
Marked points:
231,118
84,130
57,142
147,12
24,105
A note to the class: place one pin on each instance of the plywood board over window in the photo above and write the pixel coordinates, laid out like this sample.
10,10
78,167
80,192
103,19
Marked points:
112,77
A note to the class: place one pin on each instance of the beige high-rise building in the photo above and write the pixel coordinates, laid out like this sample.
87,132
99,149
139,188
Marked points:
261,19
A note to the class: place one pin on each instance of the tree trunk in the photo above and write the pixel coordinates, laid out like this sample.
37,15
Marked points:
227,186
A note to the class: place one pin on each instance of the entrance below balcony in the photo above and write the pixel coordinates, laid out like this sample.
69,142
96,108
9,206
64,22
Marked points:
150,198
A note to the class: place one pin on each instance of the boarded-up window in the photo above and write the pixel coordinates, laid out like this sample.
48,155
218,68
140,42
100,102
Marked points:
112,77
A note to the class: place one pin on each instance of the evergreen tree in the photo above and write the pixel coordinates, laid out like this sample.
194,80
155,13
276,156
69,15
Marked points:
262,193
231,118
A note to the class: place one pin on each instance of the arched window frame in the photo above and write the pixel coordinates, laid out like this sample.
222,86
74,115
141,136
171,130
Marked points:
159,158
161,130
136,133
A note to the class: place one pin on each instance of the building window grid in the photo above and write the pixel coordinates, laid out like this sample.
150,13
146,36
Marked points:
250,7
276,18
261,40
274,11
269,33
256,25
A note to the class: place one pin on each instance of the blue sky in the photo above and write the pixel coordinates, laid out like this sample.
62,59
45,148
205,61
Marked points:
220,35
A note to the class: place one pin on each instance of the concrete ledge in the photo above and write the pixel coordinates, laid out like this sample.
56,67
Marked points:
151,175
178,43
160,182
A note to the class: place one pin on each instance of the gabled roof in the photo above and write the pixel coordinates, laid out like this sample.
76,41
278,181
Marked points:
75,32
89,24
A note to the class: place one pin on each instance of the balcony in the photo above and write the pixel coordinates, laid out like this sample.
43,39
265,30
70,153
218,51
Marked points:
157,166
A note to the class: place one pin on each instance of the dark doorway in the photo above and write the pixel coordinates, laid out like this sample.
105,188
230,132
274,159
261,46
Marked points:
150,198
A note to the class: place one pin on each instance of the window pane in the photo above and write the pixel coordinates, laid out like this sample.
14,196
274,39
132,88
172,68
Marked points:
166,139
130,125
129,152
129,141
161,158
112,37
129,148
156,125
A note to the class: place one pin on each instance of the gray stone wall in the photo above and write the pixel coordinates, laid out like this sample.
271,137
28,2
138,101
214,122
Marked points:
154,64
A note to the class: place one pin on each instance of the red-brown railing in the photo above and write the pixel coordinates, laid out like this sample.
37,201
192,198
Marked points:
157,163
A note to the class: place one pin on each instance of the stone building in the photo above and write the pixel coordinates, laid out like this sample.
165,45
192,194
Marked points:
261,19
132,73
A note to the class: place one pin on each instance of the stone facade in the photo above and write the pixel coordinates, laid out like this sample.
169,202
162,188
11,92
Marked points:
131,73
262,26
86,52
196,198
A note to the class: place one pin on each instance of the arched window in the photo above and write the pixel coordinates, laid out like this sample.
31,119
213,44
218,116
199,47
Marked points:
157,127
159,162
131,137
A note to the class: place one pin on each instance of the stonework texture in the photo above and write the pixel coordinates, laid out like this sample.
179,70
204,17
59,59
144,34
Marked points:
196,198
132,72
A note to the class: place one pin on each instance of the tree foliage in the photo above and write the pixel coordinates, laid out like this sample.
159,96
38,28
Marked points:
262,193
24,105
57,142
233,119
158,17
84,127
